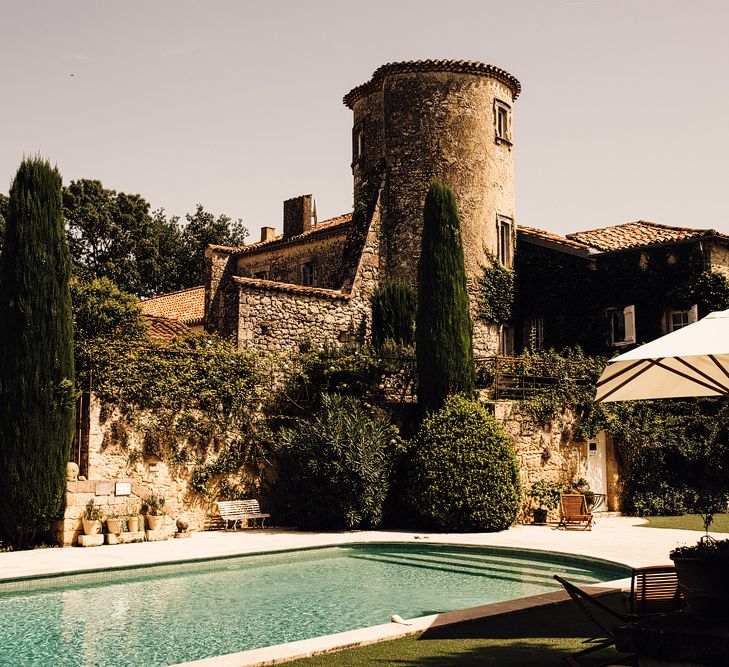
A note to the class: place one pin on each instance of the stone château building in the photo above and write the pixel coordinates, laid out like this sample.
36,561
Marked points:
413,122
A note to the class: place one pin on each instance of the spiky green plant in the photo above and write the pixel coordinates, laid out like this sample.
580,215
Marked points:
36,356
444,330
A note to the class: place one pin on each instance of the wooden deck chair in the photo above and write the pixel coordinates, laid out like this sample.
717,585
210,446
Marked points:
573,511
654,590
589,606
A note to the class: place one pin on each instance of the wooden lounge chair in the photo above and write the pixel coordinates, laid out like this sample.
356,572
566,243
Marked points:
653,590
573,511
590,606
235,511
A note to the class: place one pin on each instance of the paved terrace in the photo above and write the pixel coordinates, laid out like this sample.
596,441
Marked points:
616,539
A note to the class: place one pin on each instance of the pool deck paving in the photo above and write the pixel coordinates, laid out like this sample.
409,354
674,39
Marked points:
617,539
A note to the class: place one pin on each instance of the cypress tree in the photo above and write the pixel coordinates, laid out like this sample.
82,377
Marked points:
36,356
443,331
393,314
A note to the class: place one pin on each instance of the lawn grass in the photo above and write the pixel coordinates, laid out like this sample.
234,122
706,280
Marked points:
538,637
688,522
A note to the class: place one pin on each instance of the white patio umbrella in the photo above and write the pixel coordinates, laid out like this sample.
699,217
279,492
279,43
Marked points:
692,361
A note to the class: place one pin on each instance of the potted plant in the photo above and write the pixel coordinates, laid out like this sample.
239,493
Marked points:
547,495
115,523
152,507
583,486
92,518
133,523
703,572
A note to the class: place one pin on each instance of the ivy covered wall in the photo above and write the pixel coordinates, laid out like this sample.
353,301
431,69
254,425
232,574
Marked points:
573,293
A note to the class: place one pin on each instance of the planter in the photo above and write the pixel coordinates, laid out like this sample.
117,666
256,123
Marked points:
704,583
133,524
91,526
155,522
540,516
114,526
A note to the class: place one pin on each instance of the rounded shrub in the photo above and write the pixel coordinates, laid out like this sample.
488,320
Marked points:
464,472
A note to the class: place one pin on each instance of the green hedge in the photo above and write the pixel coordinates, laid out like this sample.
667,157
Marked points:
464,472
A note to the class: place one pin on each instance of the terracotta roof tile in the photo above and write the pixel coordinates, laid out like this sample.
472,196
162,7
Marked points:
275,286
637,234
161,328
186,306
325,227
552,238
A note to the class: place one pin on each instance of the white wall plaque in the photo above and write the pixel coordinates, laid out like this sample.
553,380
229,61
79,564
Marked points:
123,489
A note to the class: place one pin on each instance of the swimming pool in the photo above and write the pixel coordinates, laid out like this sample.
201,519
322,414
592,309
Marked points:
168,614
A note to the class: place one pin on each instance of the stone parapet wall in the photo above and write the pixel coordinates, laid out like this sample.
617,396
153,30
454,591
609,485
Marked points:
279,317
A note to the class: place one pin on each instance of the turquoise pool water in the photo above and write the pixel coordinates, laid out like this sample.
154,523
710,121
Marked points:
168,614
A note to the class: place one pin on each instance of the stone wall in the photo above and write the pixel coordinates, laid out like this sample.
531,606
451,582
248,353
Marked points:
719,258
220,304
279,317
283,262
551,453
111,461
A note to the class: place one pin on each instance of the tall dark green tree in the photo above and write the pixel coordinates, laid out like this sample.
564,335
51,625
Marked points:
36,356
393,314
4,201
443,331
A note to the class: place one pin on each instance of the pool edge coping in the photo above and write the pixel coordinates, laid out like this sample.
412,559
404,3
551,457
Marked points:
327,545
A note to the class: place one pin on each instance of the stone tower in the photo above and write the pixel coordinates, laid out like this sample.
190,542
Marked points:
446,120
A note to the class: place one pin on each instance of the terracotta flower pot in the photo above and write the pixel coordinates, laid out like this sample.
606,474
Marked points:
704,583
114,526
133,524
91,526
155,522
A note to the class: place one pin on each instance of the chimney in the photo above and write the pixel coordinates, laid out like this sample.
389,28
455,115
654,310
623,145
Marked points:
268,233
299,215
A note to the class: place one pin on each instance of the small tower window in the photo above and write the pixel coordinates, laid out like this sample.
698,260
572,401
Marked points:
307,274
502,122
505,235
358,143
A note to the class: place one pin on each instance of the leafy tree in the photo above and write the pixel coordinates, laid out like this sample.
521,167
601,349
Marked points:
112,235
36,356
337,464
102,310
393,314
443,325
201,230
465,476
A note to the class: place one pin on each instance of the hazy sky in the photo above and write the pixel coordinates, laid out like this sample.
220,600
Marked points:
237,105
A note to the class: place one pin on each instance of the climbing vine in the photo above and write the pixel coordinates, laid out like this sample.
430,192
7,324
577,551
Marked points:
497,285
193,400
572,293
